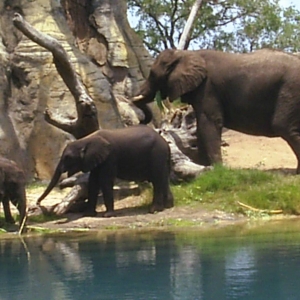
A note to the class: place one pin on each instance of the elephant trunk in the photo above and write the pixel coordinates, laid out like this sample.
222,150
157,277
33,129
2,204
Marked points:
146,93
52,184
147,112
145,96
22,208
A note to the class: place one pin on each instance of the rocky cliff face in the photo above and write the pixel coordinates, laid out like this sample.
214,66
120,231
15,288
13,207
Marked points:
103,49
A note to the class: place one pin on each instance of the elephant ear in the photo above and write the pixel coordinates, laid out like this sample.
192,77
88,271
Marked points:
188,73
95,152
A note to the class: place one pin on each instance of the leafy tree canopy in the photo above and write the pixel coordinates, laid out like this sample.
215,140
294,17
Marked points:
231,25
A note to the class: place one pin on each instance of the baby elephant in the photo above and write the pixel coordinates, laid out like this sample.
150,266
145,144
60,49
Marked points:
12,187
136,153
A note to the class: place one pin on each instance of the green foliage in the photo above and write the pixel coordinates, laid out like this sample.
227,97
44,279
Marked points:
44,218
222,188
2,230
7,227
158,100
35,185
233,25
3,225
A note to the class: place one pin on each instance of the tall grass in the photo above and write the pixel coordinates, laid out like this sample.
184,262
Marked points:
223,187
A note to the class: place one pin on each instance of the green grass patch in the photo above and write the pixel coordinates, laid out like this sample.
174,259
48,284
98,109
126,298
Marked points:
35,185
2,230
44,218
222,187
7,227
181,222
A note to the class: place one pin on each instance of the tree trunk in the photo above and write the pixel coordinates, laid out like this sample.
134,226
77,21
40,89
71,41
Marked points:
184,39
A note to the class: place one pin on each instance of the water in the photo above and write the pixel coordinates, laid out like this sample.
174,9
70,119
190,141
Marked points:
232,263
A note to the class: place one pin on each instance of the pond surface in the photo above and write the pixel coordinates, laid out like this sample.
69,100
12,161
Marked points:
232,263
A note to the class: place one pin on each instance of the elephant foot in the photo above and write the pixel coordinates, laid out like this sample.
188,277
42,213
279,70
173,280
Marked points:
169,202
90,213
155,207
109,214
10,220
169,205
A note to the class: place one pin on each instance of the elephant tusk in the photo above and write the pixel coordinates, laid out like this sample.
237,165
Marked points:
137,98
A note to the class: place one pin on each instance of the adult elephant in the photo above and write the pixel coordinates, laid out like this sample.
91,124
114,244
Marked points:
136,153
12,188
255,93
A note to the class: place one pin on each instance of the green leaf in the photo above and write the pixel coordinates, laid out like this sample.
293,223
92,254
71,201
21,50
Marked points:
159,101
232,25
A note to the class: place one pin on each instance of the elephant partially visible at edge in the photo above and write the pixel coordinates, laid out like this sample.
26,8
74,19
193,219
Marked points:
12,188
255,93
135,153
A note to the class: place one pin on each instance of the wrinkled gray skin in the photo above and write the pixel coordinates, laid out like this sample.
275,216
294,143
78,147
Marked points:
256,93
12,188
136,153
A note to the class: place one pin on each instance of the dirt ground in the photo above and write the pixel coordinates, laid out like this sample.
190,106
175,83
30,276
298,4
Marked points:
244,151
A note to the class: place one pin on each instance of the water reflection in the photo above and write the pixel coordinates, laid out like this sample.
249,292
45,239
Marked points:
240,272
143,265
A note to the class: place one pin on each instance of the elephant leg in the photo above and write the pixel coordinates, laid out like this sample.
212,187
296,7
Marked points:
108,197
7,213
159,170
289,132
93,191
160,191
168,198
209,141
101,179
18,199
293,141
203,158
158,201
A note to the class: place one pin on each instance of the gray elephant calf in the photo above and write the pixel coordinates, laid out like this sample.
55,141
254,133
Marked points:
136,153
12,188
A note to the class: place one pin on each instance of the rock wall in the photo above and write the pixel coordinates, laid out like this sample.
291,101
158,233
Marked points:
106,53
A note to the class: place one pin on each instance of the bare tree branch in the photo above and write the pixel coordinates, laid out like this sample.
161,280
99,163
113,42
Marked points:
87,117
188,26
